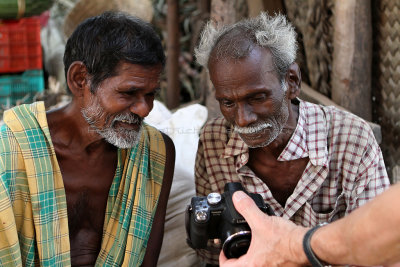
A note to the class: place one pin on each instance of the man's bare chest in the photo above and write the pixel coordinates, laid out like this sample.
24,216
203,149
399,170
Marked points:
87,183
281,177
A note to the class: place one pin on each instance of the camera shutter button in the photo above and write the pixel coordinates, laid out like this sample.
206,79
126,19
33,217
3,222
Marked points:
213,198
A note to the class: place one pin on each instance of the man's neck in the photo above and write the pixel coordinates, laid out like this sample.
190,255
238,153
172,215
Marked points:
69,129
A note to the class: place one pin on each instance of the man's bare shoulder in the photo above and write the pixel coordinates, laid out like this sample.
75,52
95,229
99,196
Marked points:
169,145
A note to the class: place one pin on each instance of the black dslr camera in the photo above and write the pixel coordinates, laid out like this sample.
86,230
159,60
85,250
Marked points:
215,216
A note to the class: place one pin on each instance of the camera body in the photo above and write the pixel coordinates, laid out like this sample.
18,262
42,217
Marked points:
215,217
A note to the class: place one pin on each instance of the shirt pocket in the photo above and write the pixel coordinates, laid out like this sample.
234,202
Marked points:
309,216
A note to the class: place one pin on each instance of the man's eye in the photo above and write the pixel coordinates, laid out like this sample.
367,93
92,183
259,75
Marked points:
257,99
153,93
227,103
129,93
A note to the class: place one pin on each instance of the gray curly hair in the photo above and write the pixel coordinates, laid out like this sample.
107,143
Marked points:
236,41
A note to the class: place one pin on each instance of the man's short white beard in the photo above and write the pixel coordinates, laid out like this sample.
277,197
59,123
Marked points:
121,138
264,125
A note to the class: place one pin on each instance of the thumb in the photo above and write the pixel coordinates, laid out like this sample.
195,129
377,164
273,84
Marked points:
247,208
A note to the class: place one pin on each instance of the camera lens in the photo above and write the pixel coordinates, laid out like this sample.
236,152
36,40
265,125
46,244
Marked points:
237,244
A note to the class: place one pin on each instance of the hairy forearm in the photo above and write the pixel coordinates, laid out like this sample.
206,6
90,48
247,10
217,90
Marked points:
368,236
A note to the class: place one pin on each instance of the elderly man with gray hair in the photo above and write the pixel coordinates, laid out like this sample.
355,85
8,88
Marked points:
311,163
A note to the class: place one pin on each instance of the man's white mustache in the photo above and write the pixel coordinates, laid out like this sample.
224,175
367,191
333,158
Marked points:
252,129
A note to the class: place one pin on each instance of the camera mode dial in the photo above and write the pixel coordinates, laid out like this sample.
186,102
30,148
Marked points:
213,198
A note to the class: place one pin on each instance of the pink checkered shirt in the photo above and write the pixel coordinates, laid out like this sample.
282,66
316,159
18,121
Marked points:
345,168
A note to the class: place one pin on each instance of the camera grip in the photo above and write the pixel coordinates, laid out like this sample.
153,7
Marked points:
198,235
196,231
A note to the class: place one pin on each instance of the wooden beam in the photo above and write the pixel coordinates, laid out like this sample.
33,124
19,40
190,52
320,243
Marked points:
173,53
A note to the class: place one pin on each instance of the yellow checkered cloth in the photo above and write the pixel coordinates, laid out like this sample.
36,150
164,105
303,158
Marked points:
33,209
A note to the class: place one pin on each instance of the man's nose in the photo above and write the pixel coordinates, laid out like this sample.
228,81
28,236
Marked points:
141,107
244,116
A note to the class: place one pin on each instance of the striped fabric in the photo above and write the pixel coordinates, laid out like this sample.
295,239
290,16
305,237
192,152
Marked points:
345,168
33,210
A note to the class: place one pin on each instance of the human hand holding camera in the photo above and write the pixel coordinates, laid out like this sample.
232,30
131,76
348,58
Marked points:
215,217
273,239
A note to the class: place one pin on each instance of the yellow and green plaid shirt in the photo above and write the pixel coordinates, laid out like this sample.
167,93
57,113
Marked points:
33,209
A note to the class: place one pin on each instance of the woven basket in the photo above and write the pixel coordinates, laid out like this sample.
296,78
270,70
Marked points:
386,79
89,8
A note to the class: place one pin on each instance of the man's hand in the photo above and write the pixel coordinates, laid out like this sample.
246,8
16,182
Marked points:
275,241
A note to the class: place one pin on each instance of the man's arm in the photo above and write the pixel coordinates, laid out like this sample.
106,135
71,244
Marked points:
368,236
157,230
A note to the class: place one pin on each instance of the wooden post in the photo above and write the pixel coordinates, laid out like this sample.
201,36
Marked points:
273,6
255,7
173,52
222,13
352,57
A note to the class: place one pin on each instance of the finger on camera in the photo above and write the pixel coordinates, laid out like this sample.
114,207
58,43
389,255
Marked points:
225,262
222,257
247,208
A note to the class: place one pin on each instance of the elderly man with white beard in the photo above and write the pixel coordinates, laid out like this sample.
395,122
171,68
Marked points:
311,164
88,184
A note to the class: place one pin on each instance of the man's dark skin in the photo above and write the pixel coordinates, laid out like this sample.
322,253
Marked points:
254,95
88,162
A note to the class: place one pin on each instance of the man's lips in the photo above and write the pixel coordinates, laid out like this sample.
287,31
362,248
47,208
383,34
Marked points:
252,135
262,134
127,125
256,133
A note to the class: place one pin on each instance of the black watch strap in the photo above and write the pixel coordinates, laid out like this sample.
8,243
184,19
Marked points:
315,262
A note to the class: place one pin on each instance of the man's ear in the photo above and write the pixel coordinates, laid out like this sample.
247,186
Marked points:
293,79
77,78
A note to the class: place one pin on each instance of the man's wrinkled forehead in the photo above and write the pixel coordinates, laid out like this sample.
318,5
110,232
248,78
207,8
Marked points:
259,56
